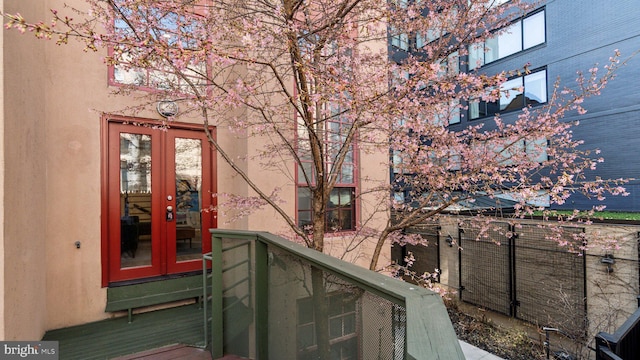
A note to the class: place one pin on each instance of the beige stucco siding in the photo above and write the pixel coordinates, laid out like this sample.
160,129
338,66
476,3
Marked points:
52,104
2,292
24,179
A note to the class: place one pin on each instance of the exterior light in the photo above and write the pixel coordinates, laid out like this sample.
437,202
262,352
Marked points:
608,260
167,108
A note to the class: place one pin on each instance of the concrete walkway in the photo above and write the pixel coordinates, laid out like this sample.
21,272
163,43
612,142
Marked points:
473,353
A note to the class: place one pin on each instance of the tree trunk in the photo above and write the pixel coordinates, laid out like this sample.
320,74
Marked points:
321,314
373,264
318,218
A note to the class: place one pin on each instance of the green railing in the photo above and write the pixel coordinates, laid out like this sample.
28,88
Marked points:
268,297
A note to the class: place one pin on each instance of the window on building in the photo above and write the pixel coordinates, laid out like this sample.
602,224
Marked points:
340,208
440,26
334,127
518,36
166,28
490,4
536,149
447,112
499,2
343,338
450,113
423,38
515,94
506,150
400,41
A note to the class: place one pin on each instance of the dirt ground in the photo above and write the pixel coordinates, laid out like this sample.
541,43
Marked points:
508,343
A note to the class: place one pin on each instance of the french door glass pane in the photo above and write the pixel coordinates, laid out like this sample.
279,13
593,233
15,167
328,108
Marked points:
135,200
188,160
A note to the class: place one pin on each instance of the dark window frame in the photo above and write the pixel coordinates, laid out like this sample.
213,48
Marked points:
487,109
473,48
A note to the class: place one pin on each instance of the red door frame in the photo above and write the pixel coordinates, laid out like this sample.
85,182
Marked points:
161,257
172,266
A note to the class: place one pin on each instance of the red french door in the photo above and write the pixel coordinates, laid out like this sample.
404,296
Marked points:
159,183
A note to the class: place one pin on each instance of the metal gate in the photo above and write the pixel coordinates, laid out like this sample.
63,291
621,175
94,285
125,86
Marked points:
427,256
550,282
522,271
485,267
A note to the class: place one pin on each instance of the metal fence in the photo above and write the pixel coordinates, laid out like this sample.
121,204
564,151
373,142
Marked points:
522,271
427,254
361,325
550,280
485,268
276,299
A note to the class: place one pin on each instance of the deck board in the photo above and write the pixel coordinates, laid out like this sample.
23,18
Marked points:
171,352
108,339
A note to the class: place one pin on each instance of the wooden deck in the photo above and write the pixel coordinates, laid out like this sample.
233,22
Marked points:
174,352
113,338
170,352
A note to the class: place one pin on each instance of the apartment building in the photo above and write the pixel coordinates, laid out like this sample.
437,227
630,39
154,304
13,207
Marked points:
554,40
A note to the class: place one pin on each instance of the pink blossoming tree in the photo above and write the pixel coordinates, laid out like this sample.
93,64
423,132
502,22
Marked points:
318,81
300,72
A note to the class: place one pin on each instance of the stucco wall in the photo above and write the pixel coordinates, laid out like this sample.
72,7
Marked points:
54,95
611,295
2,117
77,94
73,183
54,100
25,246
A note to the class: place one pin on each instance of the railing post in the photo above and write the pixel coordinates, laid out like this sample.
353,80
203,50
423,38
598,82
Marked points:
261,299
217,331
205,296
606,346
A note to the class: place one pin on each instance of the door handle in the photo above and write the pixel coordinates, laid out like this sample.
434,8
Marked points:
169,213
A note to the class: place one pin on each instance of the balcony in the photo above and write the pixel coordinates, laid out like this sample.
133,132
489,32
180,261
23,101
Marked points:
268,298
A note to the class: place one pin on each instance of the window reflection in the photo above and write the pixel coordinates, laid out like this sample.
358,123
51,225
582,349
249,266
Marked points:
135,200
515,94
519,36
533,30
342,315
188,163
511,95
